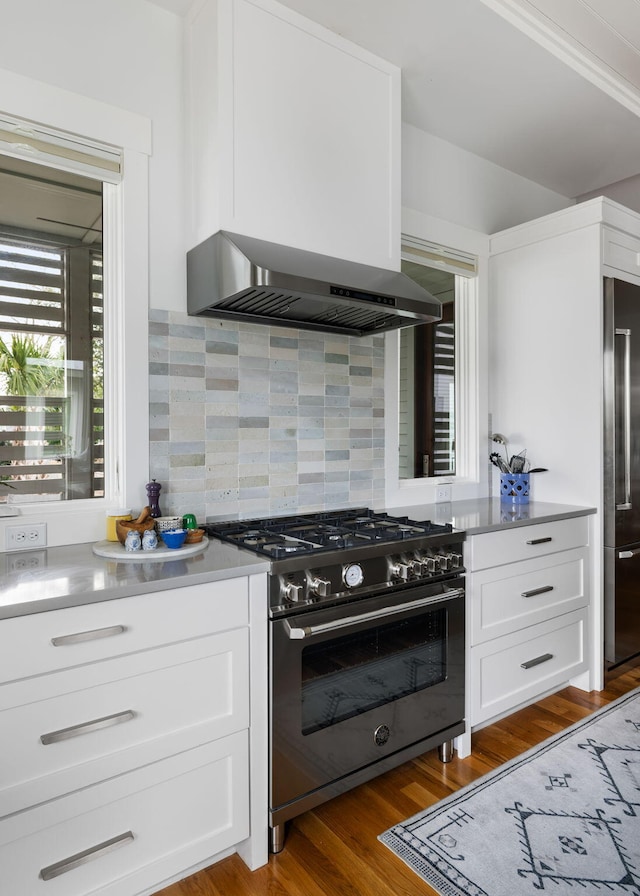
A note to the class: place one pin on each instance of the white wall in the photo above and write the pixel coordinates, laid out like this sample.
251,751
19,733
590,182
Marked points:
449,183
626,192
127,53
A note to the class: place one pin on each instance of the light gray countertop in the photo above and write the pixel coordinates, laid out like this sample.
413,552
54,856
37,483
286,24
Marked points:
490,514
53,578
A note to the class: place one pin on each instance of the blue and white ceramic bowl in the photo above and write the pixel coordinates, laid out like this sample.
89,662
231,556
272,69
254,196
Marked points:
174,538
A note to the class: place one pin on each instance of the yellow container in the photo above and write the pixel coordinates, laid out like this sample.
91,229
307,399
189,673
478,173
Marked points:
112,516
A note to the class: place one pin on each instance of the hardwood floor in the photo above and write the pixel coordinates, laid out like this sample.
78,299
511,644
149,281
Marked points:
333,850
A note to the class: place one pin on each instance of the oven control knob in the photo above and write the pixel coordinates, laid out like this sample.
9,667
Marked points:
417,567
444,561
291,591
428,564
320,587
400,570
455,560
353,575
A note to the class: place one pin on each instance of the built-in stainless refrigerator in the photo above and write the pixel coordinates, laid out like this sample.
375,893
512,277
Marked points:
621,470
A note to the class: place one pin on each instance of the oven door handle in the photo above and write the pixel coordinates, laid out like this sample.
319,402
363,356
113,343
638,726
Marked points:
296,633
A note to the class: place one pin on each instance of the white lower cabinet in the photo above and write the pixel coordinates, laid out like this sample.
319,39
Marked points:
518,668
122,836
527,614
127,741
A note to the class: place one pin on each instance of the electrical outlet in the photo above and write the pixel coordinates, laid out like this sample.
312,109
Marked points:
26,536
26,561
443,493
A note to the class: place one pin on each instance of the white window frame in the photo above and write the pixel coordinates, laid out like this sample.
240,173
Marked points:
470,480
126,276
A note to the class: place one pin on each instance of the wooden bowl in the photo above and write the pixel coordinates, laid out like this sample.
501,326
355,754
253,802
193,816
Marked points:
124,526
194,536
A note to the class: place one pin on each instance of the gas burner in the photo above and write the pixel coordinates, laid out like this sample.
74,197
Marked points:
280,537
279,551
257,539
344,556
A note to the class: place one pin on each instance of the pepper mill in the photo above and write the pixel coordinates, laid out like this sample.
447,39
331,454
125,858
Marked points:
153,493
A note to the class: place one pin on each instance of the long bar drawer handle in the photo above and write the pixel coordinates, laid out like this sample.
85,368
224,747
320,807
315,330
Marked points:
540,540
536,591
78,637
296,633
54,737
87,855
536,662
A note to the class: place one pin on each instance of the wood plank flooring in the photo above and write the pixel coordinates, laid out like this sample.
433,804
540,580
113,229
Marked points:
333,850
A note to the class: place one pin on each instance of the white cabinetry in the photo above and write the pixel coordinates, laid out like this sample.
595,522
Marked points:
126,741
294,133
527,614
546,356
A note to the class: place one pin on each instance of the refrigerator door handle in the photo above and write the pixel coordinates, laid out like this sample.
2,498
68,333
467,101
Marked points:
627,555
626,416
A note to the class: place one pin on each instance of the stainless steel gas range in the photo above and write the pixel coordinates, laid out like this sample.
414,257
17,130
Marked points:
366,642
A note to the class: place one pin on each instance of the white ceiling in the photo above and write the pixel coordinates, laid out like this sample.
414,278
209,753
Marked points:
471,77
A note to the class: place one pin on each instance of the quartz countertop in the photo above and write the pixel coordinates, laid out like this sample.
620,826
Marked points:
54,578
58,577
491,514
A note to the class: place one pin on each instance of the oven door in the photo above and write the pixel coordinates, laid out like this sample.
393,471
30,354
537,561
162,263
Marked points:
352,685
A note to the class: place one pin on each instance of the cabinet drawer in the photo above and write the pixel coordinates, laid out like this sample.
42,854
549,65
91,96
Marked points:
164,818
524,542
45,642
506,598
621,251
120,714
517,668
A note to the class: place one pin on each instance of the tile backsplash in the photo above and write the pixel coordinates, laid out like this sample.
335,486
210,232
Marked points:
249,420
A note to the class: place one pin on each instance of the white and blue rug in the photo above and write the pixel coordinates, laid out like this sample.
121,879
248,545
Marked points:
563,818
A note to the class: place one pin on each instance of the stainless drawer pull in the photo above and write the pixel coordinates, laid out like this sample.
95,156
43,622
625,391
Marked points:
81,858
78,637
540,540
539,659
53,737
536,591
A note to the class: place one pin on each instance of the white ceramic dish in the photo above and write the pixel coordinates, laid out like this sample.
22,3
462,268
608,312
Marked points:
115,551
163,523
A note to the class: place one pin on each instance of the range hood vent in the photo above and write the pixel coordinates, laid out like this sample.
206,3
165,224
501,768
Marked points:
240,278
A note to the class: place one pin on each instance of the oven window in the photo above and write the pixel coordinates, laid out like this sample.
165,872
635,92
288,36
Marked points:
350,675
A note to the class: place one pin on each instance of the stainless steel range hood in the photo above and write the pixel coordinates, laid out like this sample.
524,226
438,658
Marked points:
240,278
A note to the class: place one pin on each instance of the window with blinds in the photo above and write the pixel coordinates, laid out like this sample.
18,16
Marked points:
427,387
51,334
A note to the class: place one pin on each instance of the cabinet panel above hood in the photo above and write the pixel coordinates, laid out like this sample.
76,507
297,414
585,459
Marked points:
240,278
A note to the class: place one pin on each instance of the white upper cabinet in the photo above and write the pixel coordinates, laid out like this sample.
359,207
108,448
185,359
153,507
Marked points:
294,133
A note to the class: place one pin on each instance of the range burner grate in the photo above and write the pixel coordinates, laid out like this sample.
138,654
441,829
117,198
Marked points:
279,537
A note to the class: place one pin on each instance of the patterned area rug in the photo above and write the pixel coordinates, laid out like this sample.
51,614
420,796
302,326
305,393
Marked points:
563,818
